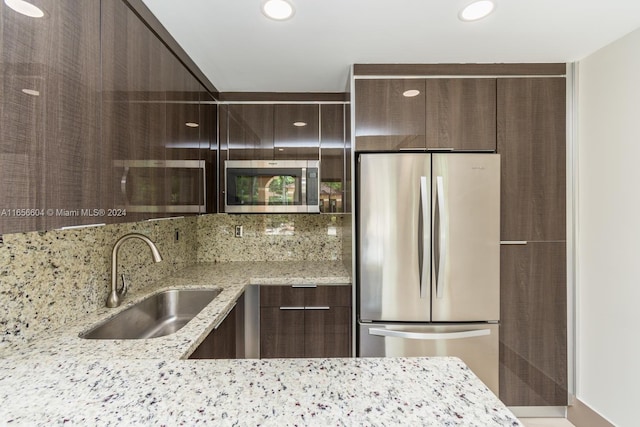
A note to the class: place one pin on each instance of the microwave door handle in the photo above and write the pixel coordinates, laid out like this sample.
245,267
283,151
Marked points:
430,336
123,185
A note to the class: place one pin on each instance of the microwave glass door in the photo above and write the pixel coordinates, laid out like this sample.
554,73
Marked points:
265,187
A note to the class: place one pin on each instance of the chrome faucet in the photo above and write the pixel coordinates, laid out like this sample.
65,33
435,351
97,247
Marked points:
114,298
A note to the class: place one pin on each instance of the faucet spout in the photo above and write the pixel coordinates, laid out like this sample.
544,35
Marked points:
115,295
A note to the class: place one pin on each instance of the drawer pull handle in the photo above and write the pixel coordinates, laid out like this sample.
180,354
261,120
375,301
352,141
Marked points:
305,286
318,308
291,308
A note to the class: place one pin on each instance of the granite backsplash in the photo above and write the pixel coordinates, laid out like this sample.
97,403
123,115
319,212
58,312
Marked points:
51,278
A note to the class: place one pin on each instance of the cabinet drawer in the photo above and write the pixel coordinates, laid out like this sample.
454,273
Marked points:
302,296
277,296
330,296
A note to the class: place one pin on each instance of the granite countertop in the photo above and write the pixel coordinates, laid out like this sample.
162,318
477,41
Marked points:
230,278
63,379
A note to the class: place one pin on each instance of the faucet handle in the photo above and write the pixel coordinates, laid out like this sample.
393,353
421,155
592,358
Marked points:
125,287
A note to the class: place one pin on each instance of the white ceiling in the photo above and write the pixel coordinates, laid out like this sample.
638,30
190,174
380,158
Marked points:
239,49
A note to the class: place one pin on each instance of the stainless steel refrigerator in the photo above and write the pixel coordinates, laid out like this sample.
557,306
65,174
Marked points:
428,248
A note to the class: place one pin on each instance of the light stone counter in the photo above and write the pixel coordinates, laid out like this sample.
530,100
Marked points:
62,379
230,278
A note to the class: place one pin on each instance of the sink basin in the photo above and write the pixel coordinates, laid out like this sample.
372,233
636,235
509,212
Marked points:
158,315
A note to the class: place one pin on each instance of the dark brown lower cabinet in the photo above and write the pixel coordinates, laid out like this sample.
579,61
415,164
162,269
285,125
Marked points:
533,331
327,333
281,332
305,322
221,342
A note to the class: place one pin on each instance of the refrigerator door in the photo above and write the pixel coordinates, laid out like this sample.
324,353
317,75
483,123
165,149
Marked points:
466,237
476,344
394,239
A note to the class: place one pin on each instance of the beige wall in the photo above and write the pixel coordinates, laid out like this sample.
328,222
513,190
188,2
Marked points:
608,282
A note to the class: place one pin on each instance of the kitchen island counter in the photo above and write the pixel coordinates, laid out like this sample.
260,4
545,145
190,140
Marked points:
60,378
279,392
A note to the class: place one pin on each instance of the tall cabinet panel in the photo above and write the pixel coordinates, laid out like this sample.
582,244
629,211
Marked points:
533,335
531,141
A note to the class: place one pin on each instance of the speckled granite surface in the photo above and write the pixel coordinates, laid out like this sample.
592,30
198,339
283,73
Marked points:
276,392
309,242
231,278
62,379
49,279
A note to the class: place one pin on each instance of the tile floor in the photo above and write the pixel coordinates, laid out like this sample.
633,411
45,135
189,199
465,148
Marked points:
545,422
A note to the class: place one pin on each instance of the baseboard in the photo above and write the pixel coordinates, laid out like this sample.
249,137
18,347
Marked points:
539,411
579,414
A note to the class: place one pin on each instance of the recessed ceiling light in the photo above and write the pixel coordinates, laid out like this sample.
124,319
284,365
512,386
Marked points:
192,124
476,10
280,149
299,124
31,92
277,9
25,8
411,93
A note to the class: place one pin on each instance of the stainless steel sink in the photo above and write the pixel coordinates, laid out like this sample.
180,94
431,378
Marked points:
158,315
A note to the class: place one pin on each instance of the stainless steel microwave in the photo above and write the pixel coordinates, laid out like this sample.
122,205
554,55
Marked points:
161,186
272,186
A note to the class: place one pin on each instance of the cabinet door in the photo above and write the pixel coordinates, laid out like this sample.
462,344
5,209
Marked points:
531,142
221,342
281,332
332,158
327,332
386,118
133,110
50,155
533,317
296,132
250,132
461,114
327,321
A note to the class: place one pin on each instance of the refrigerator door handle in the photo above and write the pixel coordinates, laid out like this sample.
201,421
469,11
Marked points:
423,237
429,335
441,240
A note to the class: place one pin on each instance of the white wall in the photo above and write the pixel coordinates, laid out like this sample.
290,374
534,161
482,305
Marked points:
608,283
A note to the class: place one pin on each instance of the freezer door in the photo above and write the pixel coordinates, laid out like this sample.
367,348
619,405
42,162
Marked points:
394,237
466,237
476,344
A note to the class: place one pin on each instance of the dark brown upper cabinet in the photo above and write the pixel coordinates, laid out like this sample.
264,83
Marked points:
50,109
296,132
332,158
386,118
249,132
531,126
134,115
461,114
421,114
